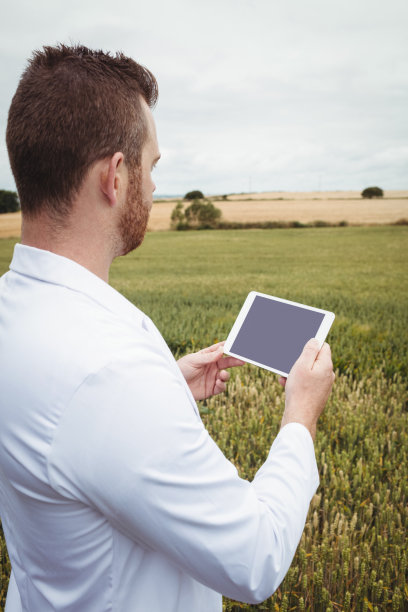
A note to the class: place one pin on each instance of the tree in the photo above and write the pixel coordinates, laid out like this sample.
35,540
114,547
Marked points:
372,192
9,201
200,214
194,195
178,218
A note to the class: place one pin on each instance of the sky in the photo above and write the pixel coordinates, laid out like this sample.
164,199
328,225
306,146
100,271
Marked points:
254,95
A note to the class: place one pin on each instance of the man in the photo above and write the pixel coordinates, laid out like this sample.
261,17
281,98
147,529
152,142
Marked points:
112,494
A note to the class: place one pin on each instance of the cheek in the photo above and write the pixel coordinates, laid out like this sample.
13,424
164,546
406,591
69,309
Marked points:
152,186
148,185
147,191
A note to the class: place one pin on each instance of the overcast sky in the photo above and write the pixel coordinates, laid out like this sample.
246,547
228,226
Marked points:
260,95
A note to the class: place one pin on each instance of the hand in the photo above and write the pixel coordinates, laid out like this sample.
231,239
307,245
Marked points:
205,371
308,386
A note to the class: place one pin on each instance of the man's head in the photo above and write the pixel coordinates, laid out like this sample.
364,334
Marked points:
72,108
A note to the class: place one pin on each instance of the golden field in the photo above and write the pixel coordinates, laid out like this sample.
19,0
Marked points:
10,225
306,207
332,207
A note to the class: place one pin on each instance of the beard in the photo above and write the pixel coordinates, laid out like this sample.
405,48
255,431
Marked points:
135,215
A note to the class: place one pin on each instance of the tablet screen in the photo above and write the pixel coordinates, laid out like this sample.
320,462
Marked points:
274,333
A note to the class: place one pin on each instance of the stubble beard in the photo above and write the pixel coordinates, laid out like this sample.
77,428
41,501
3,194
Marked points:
135,216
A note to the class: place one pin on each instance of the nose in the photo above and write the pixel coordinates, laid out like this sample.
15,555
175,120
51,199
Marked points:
154,188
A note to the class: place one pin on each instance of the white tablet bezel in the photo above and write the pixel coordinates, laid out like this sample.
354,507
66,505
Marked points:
320,335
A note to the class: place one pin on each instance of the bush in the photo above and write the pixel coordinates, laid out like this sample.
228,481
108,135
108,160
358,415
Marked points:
177,214
9,201
372,192
194,195
201,214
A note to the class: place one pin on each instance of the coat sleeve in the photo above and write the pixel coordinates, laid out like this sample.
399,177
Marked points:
131,446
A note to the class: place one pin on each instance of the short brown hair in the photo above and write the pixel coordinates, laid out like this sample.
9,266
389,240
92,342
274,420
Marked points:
73,106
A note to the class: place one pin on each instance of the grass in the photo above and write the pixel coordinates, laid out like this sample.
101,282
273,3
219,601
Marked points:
352,555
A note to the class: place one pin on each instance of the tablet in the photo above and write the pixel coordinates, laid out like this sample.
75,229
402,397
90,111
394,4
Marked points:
271,332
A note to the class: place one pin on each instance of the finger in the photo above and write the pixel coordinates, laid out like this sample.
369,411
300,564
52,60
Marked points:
324,357
223,375
282,381
310,352
229,362
325,352
219,387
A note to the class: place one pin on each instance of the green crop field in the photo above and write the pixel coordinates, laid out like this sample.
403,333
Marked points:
353,553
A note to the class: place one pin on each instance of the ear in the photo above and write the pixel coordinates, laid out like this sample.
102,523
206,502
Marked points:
112,178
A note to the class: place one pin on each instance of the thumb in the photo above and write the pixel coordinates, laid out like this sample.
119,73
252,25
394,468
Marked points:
310,352
211,354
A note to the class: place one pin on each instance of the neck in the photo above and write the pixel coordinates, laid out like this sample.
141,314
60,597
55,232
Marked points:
84,246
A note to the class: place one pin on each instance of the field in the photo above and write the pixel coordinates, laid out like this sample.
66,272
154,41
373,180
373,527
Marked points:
329,206
353,553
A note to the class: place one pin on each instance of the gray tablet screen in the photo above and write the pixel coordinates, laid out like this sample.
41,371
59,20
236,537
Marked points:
274,333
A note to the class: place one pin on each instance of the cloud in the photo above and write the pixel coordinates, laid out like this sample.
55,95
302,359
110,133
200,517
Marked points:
253,93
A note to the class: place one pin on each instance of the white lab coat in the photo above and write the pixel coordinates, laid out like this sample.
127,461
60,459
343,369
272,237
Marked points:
113,496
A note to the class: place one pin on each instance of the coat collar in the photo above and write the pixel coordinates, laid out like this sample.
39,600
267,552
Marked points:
52,268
